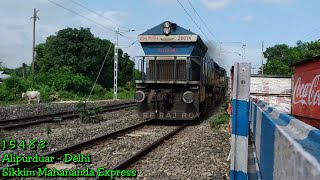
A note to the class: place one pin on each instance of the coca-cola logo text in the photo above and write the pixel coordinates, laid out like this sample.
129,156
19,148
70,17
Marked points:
307,93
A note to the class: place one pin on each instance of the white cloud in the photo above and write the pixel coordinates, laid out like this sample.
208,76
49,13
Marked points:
247,18
231,18
278,1
165,2
16,27
273,1
244,18
216,4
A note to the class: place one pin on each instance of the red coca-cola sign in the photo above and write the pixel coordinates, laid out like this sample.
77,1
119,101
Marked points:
306,94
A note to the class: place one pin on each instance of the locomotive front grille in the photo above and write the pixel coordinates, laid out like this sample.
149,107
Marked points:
163,70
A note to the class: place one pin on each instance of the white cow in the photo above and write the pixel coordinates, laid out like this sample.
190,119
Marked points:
32,95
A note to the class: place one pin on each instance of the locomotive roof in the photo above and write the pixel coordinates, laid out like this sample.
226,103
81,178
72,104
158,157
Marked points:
158,30
199,49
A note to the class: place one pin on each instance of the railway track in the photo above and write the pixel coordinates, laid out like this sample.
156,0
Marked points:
145,150
76,148
27,121
85,145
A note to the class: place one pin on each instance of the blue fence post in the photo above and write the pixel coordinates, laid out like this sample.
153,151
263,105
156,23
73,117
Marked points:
240,121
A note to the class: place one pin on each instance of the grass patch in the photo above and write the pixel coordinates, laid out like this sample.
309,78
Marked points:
60,86
88,115
220,119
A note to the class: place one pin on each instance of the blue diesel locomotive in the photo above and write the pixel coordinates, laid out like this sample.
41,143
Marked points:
179,79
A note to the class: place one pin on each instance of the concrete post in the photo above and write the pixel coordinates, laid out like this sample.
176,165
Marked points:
240,121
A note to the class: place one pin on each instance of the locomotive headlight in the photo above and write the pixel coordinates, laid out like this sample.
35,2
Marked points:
166,31
139,96
166,28
188,97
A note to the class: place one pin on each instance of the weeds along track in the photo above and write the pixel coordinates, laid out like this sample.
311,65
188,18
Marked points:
116,150
27,121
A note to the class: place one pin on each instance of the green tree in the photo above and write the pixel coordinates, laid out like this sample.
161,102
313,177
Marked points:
277,67
280,57
1,65
82,53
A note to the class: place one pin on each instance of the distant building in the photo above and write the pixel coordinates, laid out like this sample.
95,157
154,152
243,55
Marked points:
3,76
306,91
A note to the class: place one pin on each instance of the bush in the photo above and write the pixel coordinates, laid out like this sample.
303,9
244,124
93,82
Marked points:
12,88
62,85
217,121
88,115
6,95
64,95
98,90
64,80
45,92
122,93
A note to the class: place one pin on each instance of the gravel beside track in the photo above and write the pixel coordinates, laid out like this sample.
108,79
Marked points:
27,110
71,131
112,152
197,152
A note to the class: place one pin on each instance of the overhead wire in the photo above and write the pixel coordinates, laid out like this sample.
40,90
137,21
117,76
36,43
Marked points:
196,24
98,14
95,82
108,49
313,33
124,27
108,28
203,21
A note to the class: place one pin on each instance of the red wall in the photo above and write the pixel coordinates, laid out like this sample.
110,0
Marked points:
306,92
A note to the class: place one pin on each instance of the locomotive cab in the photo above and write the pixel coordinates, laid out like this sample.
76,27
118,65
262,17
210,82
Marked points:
179,80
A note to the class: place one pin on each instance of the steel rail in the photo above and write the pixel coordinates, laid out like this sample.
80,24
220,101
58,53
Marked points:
25,121
72,149
144,151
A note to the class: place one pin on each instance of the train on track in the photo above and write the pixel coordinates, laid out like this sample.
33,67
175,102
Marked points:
179,80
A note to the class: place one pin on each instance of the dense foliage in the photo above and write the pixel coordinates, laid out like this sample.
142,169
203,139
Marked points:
281,57
61,85
82,53
67,65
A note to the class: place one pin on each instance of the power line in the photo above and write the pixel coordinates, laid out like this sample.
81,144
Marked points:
203,21
316,33
105,58
195,23
108,20
99,14
108,28
312,32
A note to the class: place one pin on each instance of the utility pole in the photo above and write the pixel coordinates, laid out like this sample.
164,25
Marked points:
134,67
244,51
262,58
253,68
115,69
34,34
23,70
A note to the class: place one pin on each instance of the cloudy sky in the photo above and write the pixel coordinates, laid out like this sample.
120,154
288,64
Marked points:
229,22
